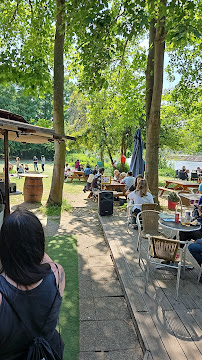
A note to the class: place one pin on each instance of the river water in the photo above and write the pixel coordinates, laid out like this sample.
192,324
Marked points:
190,165
178,164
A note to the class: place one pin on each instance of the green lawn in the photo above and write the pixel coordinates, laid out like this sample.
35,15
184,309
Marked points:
63,250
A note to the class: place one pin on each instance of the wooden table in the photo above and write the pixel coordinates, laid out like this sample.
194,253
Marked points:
179,185
78,175
115,186
33,187
193,198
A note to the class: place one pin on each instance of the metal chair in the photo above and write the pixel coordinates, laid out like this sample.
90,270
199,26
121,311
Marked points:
199,274
164,249
147,206
148,224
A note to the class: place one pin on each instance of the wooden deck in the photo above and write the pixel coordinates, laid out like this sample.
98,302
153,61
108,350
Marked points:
168,329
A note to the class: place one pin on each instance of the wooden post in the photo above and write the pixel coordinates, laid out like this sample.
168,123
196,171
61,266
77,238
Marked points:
6,171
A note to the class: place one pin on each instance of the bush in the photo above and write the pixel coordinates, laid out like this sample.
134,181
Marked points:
165,168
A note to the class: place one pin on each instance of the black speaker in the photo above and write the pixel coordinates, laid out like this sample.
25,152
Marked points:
105,203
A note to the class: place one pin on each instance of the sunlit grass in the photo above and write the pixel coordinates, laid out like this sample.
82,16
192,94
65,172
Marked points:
55,210
63,249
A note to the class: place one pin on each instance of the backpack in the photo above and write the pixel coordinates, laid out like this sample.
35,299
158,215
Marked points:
39,349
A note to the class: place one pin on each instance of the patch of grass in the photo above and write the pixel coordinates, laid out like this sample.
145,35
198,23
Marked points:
63,250
55,210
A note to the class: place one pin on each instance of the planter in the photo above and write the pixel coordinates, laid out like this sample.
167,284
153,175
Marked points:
172,205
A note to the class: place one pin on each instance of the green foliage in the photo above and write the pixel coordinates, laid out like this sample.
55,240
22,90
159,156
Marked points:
125,167
55,210
165,168
181,120
173,197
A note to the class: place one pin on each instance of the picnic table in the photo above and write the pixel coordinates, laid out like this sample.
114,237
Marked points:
78,175
179,185
116,187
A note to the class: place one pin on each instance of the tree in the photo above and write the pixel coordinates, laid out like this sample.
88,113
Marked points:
113,27
55,196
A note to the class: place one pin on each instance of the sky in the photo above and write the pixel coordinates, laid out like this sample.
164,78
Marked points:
166,84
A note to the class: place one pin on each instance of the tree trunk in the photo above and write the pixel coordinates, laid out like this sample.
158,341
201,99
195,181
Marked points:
102,155
55,196
153,101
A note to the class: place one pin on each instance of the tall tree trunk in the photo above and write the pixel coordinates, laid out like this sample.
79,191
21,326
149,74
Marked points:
153,101
55,196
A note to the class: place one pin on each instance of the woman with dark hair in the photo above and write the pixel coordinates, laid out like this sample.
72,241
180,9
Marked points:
32,282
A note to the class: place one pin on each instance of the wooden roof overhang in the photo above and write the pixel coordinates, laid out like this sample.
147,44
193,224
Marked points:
15,128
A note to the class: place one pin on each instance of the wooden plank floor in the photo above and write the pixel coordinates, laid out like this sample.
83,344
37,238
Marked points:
168,329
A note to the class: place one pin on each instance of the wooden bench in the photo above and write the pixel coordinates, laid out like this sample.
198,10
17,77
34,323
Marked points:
162,189
118,193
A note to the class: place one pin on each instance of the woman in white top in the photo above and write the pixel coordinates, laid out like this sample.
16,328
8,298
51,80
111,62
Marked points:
140,196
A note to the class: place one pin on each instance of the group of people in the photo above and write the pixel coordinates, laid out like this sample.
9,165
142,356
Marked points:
185,172
21,168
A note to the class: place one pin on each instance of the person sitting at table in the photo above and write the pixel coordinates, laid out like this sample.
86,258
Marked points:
76,164
89,181
122,176
193,235
21,169
67,172
140,196
200,188
134,186
26,168
128,180
198,170
116,175
96,183
195,250
185,171
87,170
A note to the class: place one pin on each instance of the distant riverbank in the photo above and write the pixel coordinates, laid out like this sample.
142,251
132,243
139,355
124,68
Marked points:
195,158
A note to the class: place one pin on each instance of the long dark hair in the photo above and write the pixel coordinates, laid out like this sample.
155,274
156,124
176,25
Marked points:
22,246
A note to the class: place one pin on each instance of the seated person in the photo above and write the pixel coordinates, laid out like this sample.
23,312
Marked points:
116,175
185,171
134,186
67,172
193,235
96,183
128,180
140,196
87,170
200,188
198,170
21,169
196,251
89,181
26,168
122,176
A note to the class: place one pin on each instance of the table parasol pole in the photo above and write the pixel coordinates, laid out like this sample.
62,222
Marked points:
6,171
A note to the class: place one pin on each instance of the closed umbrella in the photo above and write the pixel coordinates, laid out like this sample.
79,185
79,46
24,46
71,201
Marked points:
137,163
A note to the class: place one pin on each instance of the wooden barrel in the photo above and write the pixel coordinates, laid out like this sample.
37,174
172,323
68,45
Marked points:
33,189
